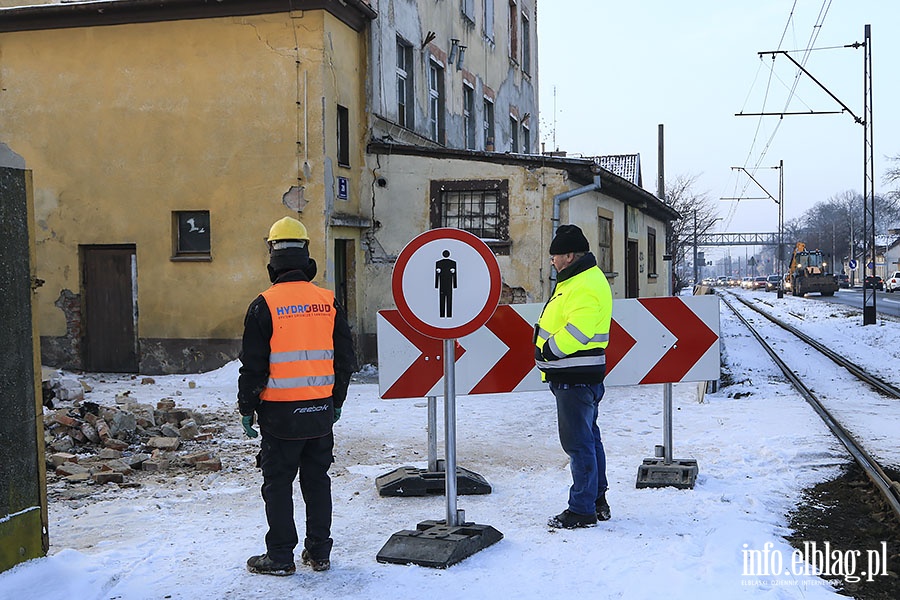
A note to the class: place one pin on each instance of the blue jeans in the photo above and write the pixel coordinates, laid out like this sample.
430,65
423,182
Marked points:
576,409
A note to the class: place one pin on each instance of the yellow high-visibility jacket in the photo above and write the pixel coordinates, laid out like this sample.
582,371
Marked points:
573,329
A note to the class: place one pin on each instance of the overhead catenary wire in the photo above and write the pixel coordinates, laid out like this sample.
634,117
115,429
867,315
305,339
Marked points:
792,94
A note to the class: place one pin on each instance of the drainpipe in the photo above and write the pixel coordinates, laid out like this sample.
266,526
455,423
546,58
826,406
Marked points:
557,201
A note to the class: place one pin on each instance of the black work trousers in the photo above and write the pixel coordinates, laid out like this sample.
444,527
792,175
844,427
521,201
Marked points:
280,461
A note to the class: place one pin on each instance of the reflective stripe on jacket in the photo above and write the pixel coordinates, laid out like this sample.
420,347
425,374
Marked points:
301,362
573,329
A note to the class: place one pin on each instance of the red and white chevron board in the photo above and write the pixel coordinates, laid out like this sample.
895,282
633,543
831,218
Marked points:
652,340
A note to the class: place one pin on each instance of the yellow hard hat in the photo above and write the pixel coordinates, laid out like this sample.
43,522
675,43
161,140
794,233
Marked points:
286,233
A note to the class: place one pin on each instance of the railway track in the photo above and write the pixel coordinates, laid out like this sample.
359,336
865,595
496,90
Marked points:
889,489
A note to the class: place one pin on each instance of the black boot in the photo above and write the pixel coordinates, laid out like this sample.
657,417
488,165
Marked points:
264,565
602,506
317,564
569,520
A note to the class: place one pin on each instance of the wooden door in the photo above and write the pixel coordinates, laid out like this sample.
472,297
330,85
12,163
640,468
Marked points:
632,283
109,301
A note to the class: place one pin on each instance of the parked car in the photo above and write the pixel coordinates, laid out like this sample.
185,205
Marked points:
892,283
873,282
843,281
773,282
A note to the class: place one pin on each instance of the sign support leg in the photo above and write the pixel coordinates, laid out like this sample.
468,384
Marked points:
432,434
453,516
663,470
667,423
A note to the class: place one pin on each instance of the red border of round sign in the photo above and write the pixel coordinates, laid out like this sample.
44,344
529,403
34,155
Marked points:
493,293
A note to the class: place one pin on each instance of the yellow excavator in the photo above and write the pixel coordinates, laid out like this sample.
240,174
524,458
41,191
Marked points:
807,273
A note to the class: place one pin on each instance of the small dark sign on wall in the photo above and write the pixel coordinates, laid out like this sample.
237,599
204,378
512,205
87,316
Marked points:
343,185
192,233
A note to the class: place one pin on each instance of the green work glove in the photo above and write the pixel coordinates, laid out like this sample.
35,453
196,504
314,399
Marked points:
247,423
337,415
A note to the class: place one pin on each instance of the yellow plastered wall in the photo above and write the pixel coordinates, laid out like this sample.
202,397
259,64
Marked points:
122,125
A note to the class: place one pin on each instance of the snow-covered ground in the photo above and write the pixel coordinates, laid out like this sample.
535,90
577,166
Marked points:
757,443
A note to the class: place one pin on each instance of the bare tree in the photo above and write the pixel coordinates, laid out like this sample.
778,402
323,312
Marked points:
698,214
892,176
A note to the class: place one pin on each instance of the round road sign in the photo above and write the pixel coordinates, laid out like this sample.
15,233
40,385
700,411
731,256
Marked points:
446,283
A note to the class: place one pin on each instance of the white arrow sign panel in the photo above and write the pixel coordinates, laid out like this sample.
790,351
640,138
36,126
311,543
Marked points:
652,340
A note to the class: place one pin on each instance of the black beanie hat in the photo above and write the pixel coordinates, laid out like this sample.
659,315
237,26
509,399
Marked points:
569,238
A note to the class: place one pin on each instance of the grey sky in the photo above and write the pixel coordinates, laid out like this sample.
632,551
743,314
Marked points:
621,68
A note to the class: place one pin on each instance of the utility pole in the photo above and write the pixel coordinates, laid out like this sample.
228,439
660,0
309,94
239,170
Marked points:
869,249
695,248
780,202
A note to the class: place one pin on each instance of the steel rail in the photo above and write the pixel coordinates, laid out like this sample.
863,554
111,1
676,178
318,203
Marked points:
873,380
889,489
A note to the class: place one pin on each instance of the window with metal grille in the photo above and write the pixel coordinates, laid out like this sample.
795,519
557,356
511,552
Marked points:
651,251
480,207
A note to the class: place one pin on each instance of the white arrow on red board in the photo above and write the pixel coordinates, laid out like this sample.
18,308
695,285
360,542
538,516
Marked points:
496,358
652,340
413,379
675,339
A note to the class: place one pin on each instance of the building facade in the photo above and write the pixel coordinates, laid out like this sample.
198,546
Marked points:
456,74
165,138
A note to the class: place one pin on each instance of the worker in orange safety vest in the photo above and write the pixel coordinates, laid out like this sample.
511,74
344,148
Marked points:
296,361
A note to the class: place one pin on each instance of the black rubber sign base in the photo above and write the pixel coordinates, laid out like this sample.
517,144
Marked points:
655,473
434,544
410,481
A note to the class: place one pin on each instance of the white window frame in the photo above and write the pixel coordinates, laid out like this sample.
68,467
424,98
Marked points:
436,100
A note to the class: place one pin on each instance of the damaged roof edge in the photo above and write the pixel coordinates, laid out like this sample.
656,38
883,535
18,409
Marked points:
354,13
580,170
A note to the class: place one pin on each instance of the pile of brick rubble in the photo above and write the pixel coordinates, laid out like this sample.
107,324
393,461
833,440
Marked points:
89,443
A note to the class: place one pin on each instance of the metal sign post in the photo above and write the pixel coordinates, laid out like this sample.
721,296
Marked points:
667,472
454,516
467,291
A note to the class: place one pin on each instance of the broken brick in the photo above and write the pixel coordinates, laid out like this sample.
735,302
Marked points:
109,477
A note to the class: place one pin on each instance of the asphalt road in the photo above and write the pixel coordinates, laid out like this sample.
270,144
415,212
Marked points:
887,304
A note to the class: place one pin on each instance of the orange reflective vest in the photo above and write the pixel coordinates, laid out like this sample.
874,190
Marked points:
301,360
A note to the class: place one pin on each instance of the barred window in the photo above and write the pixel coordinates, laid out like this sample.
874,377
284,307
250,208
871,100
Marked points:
480,207
651,251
